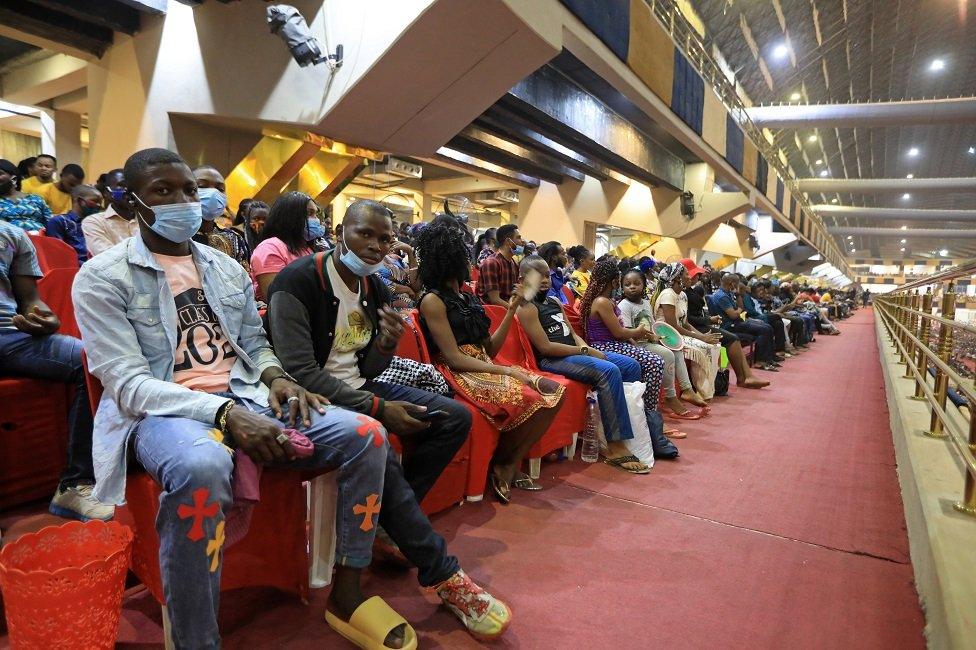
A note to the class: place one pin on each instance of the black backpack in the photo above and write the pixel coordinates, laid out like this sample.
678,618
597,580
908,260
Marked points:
722,383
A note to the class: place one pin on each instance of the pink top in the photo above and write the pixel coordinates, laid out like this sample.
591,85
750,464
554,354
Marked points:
270,256
204,357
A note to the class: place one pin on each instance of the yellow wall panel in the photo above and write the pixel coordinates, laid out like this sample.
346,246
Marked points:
651,54
750,160
714,121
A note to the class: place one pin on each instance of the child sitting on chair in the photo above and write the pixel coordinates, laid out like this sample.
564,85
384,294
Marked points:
635,309
561,351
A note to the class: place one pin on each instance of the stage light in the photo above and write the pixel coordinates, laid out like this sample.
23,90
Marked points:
937,65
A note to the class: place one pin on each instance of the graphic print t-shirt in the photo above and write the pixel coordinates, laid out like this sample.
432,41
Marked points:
352,332
204,357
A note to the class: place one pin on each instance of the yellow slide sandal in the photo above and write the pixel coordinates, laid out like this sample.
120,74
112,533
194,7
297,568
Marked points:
370,624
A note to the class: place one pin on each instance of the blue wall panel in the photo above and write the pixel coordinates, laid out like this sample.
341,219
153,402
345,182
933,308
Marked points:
733,143
687,93
608,19
762,173
780,191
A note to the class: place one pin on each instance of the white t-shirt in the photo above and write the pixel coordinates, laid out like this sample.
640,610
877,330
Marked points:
635,314
352,332
671,297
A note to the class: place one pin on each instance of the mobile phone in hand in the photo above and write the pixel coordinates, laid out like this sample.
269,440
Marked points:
426,416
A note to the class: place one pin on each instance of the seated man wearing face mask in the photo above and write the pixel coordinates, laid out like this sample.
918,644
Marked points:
213,201
331,314
172,332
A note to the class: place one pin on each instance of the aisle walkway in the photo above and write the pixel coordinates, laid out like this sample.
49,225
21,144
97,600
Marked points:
780,527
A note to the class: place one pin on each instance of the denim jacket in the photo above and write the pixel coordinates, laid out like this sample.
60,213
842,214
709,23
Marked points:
127,317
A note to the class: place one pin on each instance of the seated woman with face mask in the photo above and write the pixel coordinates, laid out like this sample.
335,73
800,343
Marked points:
290,232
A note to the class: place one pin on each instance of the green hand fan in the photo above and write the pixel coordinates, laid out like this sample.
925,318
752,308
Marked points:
670,338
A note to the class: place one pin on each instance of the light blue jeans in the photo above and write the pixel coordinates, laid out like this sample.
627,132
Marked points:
607,379
194,468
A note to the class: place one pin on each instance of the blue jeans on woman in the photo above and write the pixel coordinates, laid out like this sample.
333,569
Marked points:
607,379
193,463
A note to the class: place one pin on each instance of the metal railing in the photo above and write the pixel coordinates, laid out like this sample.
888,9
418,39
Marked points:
908,318
697,51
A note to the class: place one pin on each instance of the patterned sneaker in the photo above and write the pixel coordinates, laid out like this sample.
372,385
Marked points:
79,503
484,616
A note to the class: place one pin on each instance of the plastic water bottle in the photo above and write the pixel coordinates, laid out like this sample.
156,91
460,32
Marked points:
590,446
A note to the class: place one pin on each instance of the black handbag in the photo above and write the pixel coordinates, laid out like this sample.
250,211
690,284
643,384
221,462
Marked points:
722,382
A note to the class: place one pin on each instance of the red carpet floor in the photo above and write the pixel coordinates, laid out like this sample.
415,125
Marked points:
780,526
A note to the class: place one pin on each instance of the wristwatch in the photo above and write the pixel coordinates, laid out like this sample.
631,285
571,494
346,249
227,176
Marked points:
585,351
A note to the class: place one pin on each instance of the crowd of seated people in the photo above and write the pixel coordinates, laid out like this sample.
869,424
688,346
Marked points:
169,301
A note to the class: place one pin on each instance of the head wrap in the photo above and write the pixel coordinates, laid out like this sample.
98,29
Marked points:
670,273
647,265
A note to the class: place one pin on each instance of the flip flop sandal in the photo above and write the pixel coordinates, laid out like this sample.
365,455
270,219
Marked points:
687,415
498,487
524,482
619,464
370,624
677,435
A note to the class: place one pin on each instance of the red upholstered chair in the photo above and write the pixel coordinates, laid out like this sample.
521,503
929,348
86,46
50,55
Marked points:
517,351
449,490
459,479
278,522
55,290
52,253
33,439
570,296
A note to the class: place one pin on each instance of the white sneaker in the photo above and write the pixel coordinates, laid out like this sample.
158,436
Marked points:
79,503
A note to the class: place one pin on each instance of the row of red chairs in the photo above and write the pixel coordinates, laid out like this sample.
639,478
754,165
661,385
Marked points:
483,439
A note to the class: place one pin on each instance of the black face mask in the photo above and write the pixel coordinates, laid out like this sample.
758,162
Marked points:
6,187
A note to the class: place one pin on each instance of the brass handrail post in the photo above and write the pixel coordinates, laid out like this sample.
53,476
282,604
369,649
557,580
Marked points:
968,503
902,303
910,347
945,349
924,331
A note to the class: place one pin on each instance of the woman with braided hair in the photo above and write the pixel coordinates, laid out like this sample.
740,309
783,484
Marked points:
605,332
520,403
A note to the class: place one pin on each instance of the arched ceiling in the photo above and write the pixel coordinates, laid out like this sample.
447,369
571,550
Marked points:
853,51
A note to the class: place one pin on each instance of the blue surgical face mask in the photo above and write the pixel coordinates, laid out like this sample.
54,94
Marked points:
212,202
314,230
176,222
355,263
517,249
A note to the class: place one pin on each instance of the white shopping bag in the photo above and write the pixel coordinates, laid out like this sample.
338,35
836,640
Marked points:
640,445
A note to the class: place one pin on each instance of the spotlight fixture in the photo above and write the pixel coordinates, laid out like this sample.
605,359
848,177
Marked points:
853,250
812,138
819,161
824,173
850,236
943,252
780,51
937,65
972,150
795,97
904,227
913,151
906,196
904,241
902,249
289,24
833,200
910,176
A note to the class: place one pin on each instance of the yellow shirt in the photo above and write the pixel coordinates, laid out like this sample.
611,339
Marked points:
581,280
58,201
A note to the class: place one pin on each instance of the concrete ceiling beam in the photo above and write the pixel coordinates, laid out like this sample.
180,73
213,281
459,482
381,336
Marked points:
886,185
904,214
960,110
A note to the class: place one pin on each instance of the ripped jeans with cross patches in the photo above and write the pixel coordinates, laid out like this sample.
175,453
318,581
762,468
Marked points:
193,466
